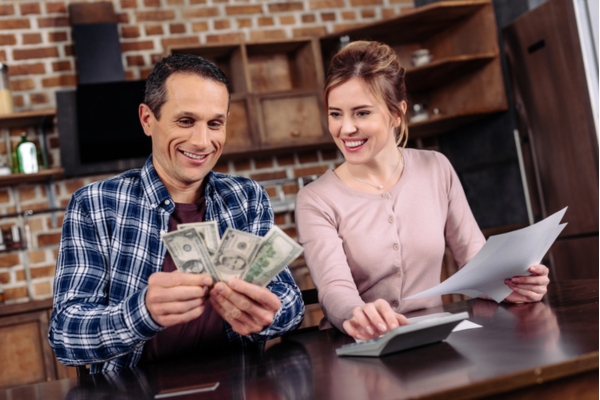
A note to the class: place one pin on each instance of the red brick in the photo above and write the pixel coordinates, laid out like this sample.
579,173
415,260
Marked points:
330,154
203,12
17,85
271,192
177,28
267,35
69,50
35,225
312,31
57,7
48,239
128,4
360,3
287,20
199,26
4,196
130,75
175,2
135,61
16,23
388,13
244,22
308,18
367,13
39,52
32,38
42,288
58,36
39,98
15,293
225,38
58,66
320,4
52,22
57,81
402,2
406,10
285,159
316,170
8,40
241,165
4,278
18,101
287,6
269,176
265,21
348,15
129,32
325,17
345,27
133,46
30,8
180,42
197,1
2,55
221,24
123,18
150,16
240,10
307,157
72,185
41,272
263,162
290,188
7,9
9,260
152,3
145,72
27,69
153,30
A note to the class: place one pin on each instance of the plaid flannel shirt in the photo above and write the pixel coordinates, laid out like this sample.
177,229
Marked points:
111,244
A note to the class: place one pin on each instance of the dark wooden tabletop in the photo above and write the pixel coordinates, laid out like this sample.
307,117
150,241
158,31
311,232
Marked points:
519,346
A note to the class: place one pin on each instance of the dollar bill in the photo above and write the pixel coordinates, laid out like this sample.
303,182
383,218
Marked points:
189,252
209,231
276,252
235,253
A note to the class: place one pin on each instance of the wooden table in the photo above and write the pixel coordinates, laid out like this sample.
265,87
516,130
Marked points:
547,349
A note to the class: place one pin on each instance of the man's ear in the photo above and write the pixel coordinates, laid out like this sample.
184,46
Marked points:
146,116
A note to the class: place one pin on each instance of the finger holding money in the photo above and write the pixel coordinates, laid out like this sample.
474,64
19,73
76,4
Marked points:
246,307
173,298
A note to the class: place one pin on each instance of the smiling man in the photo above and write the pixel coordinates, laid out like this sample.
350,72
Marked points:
118,299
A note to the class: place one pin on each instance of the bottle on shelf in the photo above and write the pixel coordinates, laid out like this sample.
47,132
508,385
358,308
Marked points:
27,156
6,104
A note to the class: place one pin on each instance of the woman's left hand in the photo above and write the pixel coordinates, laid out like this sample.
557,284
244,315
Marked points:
527,289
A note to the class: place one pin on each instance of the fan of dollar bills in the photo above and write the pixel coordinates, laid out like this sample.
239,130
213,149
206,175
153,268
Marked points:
197,248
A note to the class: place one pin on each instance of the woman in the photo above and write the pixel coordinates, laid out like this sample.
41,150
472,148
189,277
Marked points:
375,229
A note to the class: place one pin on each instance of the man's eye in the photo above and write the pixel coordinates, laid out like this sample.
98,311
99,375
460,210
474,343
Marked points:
186,122
215,124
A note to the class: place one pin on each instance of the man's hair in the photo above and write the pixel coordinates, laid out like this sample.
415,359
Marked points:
156,93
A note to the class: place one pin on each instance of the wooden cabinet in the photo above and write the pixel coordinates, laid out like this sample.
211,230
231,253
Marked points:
463,82
276,93
25,354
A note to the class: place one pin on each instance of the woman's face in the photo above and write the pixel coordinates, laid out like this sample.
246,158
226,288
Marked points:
360,123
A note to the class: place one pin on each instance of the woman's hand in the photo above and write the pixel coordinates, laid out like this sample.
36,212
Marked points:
373,320
527,289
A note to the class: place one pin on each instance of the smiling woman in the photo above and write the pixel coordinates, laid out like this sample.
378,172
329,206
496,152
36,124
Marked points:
375,230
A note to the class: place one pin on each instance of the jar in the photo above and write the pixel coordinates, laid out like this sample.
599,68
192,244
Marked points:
6,104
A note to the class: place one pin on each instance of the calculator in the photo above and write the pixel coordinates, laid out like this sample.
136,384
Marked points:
417,333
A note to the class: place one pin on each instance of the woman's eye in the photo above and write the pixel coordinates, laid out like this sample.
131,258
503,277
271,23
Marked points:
363,113
334,114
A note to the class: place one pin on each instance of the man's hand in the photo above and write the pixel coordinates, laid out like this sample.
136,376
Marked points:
175,298
527,289
373,320
248,308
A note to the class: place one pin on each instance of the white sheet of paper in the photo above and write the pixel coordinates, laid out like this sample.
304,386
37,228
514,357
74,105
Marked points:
502,257
463,326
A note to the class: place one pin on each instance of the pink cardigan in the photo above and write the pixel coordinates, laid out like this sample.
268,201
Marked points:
360,247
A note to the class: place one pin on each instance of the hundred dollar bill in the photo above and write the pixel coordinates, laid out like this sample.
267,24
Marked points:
235,253
276,252
189,252
209,232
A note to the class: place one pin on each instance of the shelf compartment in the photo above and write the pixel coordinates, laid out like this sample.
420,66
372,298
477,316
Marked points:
42,176
27,118
445,123
279,66
440,72
229,58
239,126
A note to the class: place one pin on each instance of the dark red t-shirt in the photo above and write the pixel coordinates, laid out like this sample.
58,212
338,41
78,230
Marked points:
202,335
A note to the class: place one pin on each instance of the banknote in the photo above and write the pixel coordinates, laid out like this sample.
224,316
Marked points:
235,253
189,252
209,231
276,251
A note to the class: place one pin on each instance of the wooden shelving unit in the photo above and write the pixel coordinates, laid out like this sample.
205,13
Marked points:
42,176
27,118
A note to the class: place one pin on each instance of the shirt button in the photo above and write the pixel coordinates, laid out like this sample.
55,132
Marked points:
153,205
391,219
167,202
385,195
394,303
396,247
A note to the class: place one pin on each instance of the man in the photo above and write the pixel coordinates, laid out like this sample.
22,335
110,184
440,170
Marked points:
118,299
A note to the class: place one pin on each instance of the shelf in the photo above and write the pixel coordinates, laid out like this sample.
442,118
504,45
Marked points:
14,179
27,118
443,124
440,72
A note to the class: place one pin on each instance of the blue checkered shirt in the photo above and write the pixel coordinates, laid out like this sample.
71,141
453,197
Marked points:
110,246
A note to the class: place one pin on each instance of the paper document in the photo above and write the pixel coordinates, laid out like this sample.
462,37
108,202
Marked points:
502,257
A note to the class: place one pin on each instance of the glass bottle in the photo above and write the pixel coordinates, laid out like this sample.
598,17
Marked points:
27,156
6,104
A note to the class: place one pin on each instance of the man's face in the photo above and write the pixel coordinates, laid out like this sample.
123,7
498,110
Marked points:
188,139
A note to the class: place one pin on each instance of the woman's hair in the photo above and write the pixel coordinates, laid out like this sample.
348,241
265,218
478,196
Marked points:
378,66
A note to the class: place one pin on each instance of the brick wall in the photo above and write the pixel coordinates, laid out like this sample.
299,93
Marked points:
35,42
